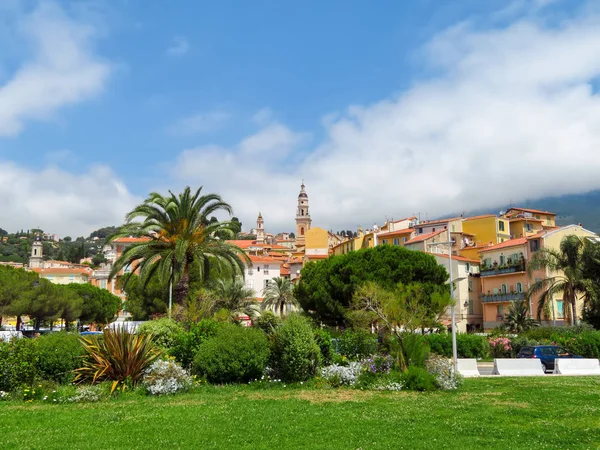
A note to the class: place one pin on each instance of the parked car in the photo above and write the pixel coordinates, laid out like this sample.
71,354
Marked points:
546,353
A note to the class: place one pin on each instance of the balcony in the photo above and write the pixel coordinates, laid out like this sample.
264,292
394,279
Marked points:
502,298
501,270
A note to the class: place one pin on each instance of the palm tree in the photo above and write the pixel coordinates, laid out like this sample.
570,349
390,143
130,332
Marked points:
234,296
180,236
565,267
517,318
278,294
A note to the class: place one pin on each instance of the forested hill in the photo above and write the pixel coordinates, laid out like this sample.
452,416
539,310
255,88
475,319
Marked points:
16,247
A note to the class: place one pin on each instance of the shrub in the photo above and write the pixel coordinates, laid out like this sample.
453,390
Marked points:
357,344
467,345
163,331
342,375
18,363
119,356
267,321
235,355
519,342
378,364
166,377
500,347
186,343
418,379
442,369
86,394
323,339
295,355
59,354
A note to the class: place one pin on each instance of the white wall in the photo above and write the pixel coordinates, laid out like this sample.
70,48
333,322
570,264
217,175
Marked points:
256,275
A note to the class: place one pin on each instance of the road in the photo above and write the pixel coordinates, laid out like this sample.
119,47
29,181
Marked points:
485,368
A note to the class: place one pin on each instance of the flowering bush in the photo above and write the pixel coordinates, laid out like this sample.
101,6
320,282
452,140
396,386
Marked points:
33,393
380,364
85,394
4,395
342,375
166,377
387,385
500,347
443,370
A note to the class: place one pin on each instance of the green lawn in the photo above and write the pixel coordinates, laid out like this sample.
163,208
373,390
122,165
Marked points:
504,413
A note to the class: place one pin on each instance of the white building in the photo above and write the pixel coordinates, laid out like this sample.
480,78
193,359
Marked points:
260,272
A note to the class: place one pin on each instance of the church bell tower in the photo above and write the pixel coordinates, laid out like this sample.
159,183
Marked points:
303,220
260,229
36,260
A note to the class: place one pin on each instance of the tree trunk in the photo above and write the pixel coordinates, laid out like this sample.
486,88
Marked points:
19,324
573,299
181,289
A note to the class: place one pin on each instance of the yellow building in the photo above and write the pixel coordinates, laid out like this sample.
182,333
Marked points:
547,218
487,230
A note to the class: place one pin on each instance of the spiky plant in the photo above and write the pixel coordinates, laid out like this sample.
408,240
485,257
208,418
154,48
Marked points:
517,318
118,356
234,296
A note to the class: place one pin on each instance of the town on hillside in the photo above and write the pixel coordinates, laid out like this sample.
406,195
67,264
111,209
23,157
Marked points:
489,256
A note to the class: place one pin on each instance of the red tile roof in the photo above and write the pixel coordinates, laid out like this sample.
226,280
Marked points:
526,219
245,243
264,259
433,222
62,271
131,240
505,244
317,256
536,211
423,237
284,271
397,232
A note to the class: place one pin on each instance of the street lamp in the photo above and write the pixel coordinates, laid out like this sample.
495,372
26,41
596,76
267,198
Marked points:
452,280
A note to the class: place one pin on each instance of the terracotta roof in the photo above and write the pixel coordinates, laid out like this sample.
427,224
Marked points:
284,271
526,219
423,237
483,216
505,244
264,259
456,257
131,240
406,218
397,232
538,211
245,243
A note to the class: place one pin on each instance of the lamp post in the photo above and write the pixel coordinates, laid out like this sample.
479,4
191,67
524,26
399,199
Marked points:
452,310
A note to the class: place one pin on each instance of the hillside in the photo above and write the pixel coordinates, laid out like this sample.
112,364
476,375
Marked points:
16,247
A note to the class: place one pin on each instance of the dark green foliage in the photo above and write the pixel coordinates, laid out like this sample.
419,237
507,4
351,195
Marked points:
235,355
164,331
357,344
99,305
59,354
418,379
18,364
144,301
327,286
323,339
186,343
267,321
467,345
295,355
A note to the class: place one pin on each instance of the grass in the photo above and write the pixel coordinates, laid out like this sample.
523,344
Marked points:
549,412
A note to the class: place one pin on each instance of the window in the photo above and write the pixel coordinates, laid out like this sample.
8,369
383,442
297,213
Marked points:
103,284
258,268
501,225
528,227
127,268
433,230
250,284
420,230
487,262
537,217
470,285
534,245
266,283
502,260
71,278
519,287
396,241
471,307
384,241
500,312
504,289
560,309
404,240
548,221
301,231
453,228
468,268
34,251
495,291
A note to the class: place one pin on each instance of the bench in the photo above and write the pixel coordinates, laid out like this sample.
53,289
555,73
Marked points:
467,367
517,367
576,366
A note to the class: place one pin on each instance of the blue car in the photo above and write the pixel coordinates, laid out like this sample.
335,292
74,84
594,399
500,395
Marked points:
546,353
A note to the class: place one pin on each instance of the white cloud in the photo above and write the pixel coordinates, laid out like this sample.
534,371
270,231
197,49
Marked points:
62,202
63,68
179,47
512,115
200,123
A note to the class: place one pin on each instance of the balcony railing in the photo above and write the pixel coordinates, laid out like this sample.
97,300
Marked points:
489,271
502,298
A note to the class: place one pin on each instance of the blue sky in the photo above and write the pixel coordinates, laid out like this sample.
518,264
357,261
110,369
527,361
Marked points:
107,100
